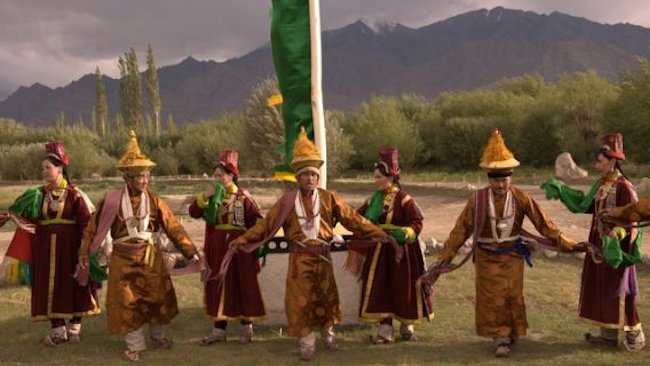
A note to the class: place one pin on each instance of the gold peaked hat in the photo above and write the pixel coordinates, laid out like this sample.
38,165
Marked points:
496,155
305,154
133,159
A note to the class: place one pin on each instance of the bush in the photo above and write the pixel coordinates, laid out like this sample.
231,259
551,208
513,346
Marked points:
379,122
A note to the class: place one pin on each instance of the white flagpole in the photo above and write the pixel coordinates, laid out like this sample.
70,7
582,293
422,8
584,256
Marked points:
316,87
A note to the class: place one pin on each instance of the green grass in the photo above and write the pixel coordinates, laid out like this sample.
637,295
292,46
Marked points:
551,297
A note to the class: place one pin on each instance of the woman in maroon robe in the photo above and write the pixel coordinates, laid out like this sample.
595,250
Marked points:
228,212
59,212
391,290
608,295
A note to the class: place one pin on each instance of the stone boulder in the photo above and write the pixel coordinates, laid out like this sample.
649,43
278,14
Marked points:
567,169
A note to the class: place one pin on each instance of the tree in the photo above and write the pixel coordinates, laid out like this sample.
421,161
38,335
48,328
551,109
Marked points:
263,126
153,90
584,97
380,122
171,125
60,122
101,107
630,113
131,106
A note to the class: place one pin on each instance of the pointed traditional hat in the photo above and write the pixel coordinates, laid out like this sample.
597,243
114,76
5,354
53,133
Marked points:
305,155
496,155
133,159
228,159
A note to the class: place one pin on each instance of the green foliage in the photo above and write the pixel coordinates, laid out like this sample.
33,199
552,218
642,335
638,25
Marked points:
131,107
21,161
339,145
380,122
538,120
630,113
202,142
264,129
153,91
101,107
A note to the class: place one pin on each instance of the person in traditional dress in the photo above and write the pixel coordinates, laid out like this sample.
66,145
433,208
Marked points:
228,211
494,216
308,216
50,220
140,290
391,290
608,292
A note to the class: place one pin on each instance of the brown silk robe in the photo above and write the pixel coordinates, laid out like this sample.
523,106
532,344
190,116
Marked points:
500,308
240,297
390,289
312,299
138,293
601,300
55,294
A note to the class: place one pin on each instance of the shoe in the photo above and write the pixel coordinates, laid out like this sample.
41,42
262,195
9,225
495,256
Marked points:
56,337
598,340
217,335
162,343
634,341
246,333
377,339
133,356
503,350
331,344
74,332
74,338
408,333
306,354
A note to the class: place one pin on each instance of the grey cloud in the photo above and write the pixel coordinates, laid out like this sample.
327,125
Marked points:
54,42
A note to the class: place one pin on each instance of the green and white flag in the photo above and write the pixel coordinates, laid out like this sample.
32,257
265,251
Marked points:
295,41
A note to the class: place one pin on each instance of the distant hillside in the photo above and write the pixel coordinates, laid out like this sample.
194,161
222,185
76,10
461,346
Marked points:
471,50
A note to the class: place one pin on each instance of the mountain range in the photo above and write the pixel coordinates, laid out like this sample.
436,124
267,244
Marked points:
471,50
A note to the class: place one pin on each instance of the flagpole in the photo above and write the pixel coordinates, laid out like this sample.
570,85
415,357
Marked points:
316,87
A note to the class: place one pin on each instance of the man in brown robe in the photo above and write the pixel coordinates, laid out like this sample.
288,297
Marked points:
308,217
140,290
500,209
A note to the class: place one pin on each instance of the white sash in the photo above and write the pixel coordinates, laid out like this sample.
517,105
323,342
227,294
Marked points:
135,225
311,227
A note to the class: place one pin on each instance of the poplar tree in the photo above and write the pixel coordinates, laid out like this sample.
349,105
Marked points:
101,108
153,91
131,107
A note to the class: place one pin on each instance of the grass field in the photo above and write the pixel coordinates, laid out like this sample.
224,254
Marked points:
551,297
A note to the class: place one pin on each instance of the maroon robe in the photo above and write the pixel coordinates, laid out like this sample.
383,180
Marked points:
55,294
601,300
391,289
240,297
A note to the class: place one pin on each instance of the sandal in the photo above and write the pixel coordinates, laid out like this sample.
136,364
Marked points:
133,356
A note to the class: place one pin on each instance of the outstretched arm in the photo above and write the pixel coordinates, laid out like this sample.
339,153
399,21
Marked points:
543,224
460,233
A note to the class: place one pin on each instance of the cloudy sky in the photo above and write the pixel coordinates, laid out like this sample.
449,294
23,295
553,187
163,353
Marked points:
56,41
